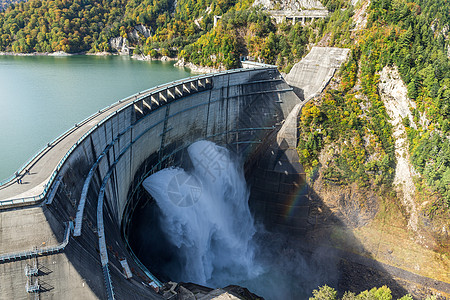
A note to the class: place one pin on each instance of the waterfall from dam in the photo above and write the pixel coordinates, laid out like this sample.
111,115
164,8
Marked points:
206,217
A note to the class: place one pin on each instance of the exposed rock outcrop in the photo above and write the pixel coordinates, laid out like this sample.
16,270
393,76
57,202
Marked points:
149,58
196,69
360,17
166,58
348,204
143,30
120,44
138,30
192,291
142,57
394,95
59,53
133,36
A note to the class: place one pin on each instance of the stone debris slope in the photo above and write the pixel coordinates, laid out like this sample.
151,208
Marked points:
394,95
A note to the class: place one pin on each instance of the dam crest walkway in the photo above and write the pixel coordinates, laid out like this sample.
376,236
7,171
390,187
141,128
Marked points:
39,176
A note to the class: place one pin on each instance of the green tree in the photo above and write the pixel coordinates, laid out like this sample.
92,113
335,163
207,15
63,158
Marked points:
324,293
382,293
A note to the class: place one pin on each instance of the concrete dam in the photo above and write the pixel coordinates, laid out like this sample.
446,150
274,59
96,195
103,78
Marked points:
64,235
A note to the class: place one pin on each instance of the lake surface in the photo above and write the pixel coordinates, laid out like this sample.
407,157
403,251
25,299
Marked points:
43,96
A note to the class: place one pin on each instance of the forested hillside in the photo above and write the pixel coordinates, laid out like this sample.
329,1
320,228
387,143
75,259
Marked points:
74,26
185,30
6,3
349,124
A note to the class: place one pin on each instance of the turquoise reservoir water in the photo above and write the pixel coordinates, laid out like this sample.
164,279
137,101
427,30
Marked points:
42,96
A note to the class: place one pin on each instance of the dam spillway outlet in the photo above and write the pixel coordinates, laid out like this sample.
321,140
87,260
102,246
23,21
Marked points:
195,225
206,218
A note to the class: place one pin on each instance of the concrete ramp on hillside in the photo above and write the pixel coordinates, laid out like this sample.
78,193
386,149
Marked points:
313,73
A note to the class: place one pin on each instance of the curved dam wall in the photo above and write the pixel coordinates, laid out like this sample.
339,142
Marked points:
240,109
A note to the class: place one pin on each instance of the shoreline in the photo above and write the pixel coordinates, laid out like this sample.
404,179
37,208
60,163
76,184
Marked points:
38,54
143,57
180,63
197,69
58,53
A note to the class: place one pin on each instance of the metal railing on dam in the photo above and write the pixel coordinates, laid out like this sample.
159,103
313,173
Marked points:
143,102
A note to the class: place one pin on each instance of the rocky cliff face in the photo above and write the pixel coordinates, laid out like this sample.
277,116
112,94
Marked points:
357,206
336,203
137,32
143,30
394,95
393,92
120,44
390,224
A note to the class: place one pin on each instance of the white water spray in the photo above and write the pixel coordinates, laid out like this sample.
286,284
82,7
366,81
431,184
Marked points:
205,215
